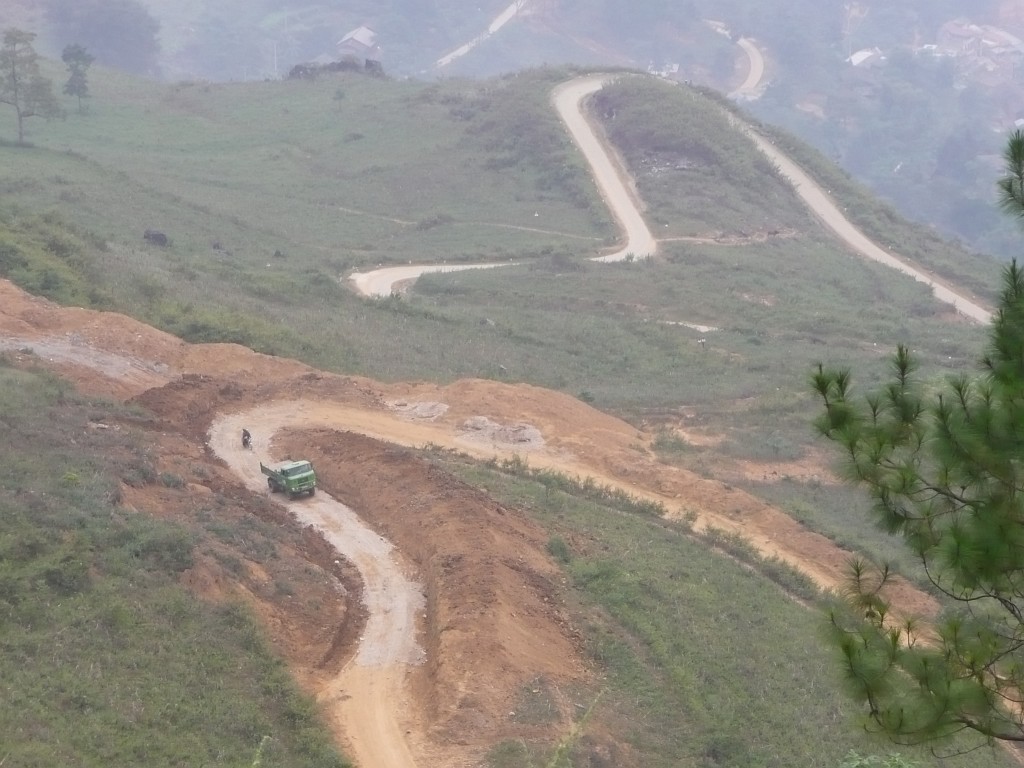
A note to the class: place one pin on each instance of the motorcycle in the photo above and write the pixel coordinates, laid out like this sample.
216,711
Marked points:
246,439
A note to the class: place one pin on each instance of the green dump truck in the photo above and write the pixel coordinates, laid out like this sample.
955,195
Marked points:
291,477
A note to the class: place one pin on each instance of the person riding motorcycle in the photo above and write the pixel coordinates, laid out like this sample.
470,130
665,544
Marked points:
246,438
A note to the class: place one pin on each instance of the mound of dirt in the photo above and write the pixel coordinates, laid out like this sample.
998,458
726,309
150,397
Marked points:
307,599
485,431
495,618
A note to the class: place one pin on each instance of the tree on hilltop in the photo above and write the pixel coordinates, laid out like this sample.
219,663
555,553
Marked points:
944,466
78,61
21,85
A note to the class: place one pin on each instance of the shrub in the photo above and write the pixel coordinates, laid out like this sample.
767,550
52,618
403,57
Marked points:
559,550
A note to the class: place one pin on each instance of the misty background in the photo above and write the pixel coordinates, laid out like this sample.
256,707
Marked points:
914,98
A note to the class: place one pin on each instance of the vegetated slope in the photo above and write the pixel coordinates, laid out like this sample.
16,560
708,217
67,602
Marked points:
502,627
751,372
909,123
240,173
271,192
107,657
698,176
722,742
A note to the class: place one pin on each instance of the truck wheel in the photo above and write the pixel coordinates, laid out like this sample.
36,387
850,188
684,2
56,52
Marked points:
312,491
271,486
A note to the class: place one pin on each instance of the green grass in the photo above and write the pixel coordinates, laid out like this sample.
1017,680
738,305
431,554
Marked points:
696,173
249,181
273,191
105,659
704,660
276,162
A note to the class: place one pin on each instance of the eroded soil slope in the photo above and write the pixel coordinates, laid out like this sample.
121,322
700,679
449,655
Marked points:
494,617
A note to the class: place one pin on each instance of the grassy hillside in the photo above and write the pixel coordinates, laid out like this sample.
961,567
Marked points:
106,659
698,175
921,130
272,192
711,654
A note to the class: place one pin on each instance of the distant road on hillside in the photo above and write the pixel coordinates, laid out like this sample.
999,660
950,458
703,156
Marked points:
612,178
751,88
617,189
387,280
821,204
500,21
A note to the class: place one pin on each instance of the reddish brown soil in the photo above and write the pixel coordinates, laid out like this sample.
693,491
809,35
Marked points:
496,621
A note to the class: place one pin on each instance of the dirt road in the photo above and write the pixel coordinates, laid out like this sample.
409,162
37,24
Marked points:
383,282
821,204
619,193
500,21
369,697
751,87
610,175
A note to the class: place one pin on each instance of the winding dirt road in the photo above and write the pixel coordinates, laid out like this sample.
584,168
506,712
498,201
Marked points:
618,191
367,698
613,180
610,175
370,698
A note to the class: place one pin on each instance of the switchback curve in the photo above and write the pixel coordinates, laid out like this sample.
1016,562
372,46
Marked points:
618,191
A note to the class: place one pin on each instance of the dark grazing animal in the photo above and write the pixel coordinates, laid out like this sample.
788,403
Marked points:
155,237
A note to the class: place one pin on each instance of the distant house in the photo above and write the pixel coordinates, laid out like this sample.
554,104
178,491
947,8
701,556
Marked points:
361,42
984,53
867,57
960,37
